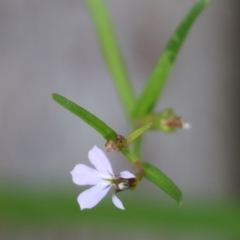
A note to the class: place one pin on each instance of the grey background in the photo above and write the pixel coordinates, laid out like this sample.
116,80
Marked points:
49,46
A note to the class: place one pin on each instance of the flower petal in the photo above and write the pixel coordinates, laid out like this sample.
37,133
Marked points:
117,202
126,175
98,158
84,175
92,196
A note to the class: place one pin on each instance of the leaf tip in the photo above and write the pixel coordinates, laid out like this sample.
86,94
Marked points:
53,95
180,201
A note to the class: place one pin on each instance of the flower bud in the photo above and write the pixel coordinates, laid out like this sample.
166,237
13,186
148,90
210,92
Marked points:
165,121
116,145
111,146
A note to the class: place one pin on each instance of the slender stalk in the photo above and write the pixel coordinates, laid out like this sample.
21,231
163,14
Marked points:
112,54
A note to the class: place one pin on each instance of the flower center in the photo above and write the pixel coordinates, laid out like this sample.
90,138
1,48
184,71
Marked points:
122,184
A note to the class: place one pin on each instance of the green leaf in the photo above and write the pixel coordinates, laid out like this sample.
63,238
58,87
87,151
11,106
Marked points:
112,53
86,116
157,177
137,133
157,79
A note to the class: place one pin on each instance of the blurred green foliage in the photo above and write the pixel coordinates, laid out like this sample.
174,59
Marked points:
50,207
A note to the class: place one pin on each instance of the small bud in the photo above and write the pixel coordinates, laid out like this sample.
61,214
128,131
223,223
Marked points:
116,145
111,146
120,142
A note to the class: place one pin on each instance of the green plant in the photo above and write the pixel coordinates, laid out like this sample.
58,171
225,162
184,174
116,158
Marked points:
139,111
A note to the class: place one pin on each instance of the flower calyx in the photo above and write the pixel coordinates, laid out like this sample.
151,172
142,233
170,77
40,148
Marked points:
166,121
122,184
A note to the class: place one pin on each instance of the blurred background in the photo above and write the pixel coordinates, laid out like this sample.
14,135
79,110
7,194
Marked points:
50,46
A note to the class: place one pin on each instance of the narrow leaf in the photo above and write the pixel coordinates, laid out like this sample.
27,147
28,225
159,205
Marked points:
157,79
86,116
111,52
137,133
157,177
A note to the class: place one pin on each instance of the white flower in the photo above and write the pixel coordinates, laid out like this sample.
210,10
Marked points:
102,179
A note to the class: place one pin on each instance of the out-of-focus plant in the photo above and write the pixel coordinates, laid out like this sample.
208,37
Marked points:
139,111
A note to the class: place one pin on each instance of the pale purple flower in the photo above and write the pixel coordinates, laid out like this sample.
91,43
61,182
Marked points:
102,179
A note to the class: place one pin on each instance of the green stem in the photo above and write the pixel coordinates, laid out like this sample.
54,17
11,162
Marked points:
130,156
112,53
137,146
136,163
